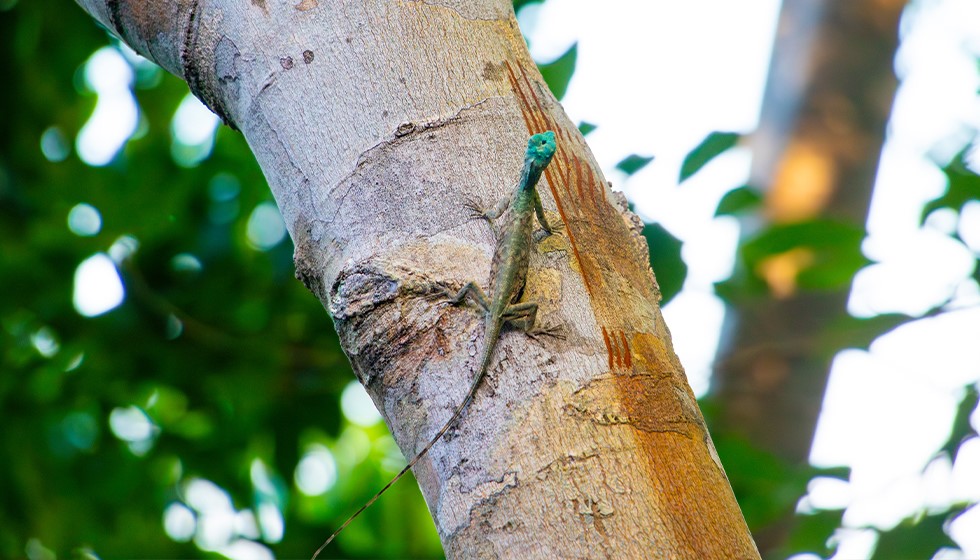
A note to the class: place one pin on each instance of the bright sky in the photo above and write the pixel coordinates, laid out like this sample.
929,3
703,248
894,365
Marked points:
656,77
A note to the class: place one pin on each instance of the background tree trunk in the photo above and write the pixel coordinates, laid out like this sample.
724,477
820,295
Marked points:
372,121
816,152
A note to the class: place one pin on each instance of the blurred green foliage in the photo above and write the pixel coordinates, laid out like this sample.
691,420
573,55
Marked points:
227,362
665,259
737,201
833,251
633,163
713,145
962,186
763,484
558,73
586,127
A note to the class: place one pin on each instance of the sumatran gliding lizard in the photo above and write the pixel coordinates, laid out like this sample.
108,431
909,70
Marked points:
508,274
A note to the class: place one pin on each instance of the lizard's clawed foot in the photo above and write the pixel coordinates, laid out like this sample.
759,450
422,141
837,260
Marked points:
476,209
556,226
437,291
555,331
542,234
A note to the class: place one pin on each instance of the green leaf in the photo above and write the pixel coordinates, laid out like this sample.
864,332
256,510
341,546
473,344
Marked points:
738,200
963,185
857,332
962,429
633,163
812,533
835,250
919,538
766,487
713,145
518,4
665,258
559,72
586,127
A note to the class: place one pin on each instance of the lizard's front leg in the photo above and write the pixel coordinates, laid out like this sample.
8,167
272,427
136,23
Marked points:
539,212
477,211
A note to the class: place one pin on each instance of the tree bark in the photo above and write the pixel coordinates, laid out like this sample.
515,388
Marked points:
372,122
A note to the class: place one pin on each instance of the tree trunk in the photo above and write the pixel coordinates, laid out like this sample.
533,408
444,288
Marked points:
816,152
373,121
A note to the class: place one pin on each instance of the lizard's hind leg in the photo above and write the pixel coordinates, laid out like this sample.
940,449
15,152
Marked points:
476,294
524,316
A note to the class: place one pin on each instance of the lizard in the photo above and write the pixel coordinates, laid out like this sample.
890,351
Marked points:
508,274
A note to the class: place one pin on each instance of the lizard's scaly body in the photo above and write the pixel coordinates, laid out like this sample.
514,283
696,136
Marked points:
508,274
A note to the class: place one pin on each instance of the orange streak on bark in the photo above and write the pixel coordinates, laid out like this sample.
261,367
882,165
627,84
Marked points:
566,180
539,117
529,120
578,178
693,499
522,100
626,350
563,166
586,273
596,190
609,352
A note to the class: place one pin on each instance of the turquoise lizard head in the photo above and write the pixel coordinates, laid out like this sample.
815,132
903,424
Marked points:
540,149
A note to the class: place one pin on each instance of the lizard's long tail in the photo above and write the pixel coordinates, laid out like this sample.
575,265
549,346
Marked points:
491,339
